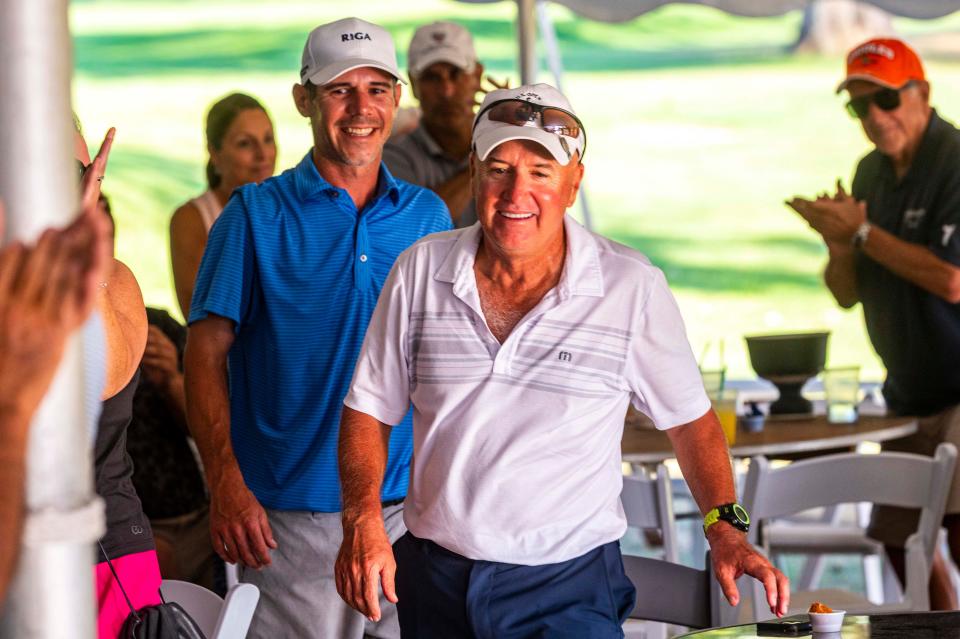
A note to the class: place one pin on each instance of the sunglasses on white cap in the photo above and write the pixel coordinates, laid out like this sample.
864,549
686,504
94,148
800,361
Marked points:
517,112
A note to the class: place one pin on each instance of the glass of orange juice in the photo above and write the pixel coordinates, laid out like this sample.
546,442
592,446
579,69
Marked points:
725,406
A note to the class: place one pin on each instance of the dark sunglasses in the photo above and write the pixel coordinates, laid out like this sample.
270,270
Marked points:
522,113
885,99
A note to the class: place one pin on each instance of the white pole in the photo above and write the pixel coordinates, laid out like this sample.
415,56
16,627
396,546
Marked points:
52,593
555,62
527,37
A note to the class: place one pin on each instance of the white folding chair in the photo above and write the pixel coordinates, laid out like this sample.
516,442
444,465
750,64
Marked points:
675,594
667,591
648,504
893,479
218,618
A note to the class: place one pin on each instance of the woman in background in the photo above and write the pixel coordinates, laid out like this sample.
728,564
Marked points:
242,149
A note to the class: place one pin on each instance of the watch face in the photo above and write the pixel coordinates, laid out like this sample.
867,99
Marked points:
741,514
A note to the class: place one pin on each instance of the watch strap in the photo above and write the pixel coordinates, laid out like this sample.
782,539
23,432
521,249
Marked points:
732,513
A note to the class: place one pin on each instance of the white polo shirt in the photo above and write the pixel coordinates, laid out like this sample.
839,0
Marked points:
517,445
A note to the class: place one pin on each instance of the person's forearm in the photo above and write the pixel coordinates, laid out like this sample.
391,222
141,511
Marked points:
456,194
840,275
362,454
176,399
915,263
13,451
208,407
704,461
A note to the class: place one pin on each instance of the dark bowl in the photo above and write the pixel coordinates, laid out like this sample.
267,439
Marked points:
788,355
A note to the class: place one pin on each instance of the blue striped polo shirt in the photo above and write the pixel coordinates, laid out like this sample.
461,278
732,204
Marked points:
298,269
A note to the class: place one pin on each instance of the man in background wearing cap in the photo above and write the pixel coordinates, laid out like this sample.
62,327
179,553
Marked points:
445,77
892,247
288,282
520,342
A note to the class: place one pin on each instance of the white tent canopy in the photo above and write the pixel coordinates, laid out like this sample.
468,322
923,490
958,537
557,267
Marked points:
622,10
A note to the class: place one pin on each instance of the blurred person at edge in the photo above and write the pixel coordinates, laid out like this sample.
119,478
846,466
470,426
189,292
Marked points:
128,541
47,292
519,342
288,282
445,76
166,475
242,149
892,248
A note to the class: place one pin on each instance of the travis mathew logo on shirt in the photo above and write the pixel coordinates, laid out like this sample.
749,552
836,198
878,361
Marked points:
359,35
564,356
948,230
913,217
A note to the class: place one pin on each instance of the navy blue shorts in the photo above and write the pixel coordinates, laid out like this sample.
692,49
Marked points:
444,595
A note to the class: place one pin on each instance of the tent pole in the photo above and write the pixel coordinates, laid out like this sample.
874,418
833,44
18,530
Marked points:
555,61
527,37
52,592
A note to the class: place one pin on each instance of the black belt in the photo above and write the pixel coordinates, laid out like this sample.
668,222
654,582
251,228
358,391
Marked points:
392,502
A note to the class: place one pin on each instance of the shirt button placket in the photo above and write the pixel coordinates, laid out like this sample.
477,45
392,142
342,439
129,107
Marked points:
361,270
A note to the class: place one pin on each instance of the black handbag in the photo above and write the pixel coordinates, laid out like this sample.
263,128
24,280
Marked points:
162,621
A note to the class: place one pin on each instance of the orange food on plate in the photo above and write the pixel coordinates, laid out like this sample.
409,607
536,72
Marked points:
819,607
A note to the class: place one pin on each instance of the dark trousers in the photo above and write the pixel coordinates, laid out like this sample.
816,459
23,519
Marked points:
444,595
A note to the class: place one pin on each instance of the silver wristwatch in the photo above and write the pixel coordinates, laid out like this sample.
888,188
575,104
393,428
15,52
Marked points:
860,236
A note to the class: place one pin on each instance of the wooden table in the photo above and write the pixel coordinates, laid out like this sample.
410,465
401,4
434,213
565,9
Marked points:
914,625
778,437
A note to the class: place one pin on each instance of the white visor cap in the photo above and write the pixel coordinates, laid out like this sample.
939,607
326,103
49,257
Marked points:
488,134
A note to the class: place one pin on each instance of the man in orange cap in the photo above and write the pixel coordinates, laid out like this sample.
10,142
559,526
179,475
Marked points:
892,247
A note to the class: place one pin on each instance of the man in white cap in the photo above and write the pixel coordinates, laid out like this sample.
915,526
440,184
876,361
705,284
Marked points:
519,342
445,77
287,285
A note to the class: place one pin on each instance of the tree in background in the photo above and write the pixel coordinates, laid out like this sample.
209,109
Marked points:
835,26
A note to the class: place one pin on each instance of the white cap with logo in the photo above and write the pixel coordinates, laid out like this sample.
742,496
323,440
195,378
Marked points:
335,48
440,42
518,125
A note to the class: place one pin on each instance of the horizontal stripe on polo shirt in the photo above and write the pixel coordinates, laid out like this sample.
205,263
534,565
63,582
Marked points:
298,269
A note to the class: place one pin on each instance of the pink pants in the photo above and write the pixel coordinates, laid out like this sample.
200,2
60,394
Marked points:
140,575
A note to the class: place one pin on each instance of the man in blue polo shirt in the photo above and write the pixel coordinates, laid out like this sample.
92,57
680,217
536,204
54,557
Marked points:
288,282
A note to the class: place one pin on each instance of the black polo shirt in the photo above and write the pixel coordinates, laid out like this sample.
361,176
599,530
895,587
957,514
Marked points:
916,333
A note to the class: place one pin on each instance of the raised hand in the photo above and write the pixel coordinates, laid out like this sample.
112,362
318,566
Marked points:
96,171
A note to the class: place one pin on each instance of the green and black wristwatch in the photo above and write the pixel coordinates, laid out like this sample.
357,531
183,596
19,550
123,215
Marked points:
734,514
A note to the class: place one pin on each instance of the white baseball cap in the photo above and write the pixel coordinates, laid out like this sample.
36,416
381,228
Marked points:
440,42
516,124
335,48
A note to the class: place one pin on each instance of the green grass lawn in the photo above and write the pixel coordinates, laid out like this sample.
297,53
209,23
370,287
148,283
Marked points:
700,124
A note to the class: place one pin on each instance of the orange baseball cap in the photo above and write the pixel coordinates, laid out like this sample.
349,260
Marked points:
884,61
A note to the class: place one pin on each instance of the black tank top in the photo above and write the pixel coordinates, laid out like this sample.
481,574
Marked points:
128,530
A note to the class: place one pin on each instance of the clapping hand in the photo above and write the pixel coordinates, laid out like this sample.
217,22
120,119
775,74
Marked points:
836,218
